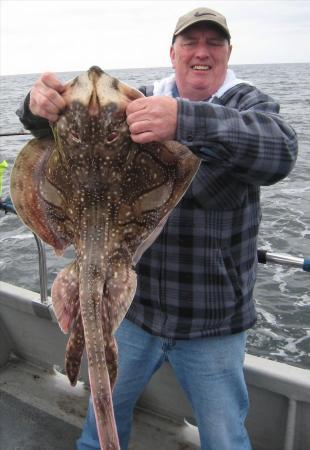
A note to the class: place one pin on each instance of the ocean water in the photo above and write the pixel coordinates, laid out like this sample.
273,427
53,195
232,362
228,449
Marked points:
282,294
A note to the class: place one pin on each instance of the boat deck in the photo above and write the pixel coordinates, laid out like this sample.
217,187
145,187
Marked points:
39,411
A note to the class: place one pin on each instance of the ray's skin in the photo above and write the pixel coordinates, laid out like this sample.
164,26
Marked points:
94,188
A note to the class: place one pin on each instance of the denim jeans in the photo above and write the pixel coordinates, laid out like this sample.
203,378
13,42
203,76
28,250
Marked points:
210,370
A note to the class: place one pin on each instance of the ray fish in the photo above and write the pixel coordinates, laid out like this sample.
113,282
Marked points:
92,187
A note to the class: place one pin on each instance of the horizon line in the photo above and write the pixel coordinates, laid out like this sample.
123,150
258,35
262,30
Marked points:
151,67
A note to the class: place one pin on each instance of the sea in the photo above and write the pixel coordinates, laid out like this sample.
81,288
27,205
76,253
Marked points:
282,293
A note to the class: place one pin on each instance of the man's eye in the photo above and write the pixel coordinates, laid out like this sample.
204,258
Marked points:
75,136
216,42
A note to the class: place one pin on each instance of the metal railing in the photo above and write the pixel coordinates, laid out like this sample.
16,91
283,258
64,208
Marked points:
42,269
7,206
265,257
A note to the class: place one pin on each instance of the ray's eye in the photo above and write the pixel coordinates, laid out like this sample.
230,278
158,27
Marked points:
111,137
75,137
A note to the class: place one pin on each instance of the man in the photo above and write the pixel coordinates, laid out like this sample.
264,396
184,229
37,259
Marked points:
195,284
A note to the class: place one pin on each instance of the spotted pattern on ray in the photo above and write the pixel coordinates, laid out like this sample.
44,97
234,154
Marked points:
92,187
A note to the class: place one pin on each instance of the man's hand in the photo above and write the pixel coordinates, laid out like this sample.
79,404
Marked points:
45,98
152,119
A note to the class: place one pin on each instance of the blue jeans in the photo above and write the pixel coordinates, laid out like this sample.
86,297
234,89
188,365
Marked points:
210,370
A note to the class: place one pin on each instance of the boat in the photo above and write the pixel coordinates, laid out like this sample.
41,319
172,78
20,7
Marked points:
39,410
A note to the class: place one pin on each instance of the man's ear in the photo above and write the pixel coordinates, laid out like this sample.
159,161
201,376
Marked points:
172,55
230,50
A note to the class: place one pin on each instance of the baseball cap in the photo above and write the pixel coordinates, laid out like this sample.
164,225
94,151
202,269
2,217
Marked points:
201,15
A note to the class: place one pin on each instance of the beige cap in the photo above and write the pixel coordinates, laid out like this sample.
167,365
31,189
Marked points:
201,15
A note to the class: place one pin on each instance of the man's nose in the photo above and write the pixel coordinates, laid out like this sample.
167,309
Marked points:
202,51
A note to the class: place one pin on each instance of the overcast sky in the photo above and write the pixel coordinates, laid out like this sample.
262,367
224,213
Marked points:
71,35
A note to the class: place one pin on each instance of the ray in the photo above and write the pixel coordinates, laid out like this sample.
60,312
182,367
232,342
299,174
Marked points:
91,187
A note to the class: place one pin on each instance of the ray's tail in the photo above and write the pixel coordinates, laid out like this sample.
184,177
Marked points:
92,280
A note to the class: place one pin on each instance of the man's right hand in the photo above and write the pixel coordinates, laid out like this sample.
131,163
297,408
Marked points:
45,97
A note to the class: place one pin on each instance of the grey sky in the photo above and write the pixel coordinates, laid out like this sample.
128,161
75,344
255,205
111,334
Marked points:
69,35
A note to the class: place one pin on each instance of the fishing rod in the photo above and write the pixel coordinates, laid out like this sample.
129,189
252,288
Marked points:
19,133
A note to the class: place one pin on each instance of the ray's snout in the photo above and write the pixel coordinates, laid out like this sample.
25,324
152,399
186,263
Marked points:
94,72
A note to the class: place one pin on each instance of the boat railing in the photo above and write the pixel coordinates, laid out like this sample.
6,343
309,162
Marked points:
265,257
7,206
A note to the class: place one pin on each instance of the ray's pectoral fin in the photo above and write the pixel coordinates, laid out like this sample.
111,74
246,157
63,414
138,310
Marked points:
33,195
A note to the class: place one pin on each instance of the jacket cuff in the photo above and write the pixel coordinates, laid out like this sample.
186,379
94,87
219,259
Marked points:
37,125
193,121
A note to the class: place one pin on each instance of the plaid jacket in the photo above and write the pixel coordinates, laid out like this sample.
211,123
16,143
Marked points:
197,278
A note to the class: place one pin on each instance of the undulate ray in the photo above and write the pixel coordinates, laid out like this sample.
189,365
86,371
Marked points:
92,187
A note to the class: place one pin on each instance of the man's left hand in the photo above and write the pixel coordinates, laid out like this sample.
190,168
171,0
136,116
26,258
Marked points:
152,119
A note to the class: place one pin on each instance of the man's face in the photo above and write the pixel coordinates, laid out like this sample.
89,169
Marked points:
200,56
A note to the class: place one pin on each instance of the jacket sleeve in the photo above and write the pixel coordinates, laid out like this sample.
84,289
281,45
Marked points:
38,126
247,135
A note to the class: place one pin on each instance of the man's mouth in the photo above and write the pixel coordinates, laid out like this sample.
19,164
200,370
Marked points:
201,67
